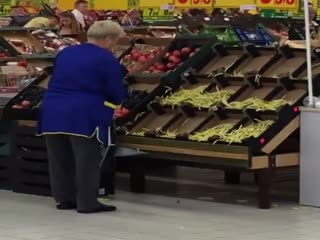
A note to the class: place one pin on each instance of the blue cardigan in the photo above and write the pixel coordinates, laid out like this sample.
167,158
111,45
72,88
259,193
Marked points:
84,77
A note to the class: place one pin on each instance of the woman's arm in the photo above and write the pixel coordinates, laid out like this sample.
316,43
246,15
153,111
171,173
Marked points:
113,75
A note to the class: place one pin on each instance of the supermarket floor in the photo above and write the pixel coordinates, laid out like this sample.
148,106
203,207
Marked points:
195,216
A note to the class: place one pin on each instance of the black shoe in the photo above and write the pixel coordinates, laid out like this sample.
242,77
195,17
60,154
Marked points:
101,208
67,206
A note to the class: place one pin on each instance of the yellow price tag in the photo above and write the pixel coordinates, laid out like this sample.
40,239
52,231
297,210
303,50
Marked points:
5,9
157,13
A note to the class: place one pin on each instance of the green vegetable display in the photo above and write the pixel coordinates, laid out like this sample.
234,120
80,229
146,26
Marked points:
243,133
218,131
197,97
257,104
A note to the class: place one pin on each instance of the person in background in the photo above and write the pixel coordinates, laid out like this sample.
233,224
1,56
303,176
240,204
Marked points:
43,22
76,115
80,7
69,24
132,18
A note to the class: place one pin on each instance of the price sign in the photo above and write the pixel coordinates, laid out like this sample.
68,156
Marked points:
278,4
154,3
157,13
193,3
5,9
233,3
111,5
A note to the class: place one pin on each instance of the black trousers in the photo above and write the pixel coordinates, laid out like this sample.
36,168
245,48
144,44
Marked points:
74,169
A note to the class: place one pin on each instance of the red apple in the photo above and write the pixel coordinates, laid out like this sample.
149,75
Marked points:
23,64
174,59
26,104
171,66
186,50
152,68
161,67
176,53
143,59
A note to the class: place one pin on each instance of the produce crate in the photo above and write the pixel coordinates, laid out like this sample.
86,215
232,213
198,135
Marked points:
218,59
41,62
52,42
7,51
144,51
151,31
254,62
141,91
289,61
32,93
255,35
167,64
22,40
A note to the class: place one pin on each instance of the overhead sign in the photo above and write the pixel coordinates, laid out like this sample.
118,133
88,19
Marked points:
5,7
154,3
110,5
157,13
278,4
194,3
233,3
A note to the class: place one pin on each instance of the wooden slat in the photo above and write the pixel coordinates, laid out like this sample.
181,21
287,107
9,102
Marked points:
282,160
282,135
185,151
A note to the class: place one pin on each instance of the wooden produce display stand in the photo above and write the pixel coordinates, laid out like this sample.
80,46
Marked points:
247,72
164,131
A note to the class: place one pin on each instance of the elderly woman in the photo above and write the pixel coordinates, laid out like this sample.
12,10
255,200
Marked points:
77,110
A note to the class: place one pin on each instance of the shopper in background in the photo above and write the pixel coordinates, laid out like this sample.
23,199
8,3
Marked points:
76,114
132,18
43,22
80,7
68,24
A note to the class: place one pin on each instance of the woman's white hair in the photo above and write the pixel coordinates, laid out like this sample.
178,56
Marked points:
104,29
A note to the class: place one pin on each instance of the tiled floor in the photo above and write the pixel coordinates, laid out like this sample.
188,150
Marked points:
150,217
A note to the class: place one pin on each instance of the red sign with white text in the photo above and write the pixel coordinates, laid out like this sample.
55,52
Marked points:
193,3
282,4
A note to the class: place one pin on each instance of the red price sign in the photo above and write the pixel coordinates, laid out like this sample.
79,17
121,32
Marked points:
283,4
194,3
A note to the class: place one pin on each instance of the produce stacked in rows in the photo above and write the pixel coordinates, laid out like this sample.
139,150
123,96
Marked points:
52,42
140,56
222,132
257,104
197,97
172,59
22,47
29,99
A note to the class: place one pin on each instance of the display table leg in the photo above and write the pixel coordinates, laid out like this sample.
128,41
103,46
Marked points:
137,177
231,177
264,185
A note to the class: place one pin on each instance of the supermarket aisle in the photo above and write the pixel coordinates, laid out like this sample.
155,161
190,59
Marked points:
148,217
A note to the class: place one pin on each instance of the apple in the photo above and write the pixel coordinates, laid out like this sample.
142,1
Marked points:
171,66
161,67
174,59
143,59
23,64
186,50
26,104
176,53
